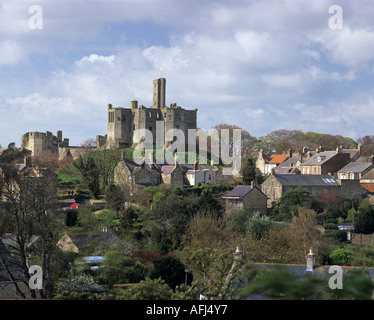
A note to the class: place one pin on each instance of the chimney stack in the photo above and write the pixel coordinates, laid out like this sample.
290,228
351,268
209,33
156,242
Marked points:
310,260
238,255
290,153
260,153
195,166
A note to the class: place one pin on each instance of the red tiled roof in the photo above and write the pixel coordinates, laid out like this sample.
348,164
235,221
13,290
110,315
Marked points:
368,186
277,158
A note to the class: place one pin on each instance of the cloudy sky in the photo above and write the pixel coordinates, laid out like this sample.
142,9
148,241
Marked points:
262,65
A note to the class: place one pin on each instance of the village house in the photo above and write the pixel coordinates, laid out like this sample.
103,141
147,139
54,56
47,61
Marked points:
325,162
27,178
246,197
289,166
135,176
129,174
354,170
367,181
266,163
295,161
276,185
201,174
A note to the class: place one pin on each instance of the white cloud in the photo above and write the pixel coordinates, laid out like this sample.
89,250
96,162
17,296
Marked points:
276,80
93,58
353,48
11,53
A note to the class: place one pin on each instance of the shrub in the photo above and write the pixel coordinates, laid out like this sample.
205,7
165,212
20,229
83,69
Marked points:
341,256
331,226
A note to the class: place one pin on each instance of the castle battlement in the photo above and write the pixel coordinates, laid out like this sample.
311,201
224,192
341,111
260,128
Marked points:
40,142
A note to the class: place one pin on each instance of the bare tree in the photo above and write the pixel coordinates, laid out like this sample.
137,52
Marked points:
29,197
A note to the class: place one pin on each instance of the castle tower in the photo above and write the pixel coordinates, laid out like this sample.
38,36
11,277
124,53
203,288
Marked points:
123,123
159,88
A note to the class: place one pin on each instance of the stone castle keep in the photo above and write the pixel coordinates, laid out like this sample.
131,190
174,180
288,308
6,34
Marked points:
122,122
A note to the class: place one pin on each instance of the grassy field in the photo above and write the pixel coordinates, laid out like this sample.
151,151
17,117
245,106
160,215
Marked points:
69,176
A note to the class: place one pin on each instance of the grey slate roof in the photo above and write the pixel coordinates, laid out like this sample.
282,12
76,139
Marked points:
305,180
356,167
239,191
369,175
319,158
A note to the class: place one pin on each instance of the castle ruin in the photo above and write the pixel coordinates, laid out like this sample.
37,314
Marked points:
39,143
123,122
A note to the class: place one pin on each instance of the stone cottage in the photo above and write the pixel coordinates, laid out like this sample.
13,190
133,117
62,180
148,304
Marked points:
129,174
246,197
276,185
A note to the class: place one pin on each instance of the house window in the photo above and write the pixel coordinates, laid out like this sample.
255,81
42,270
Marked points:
234,202
267,191
275,193
351,176
342,176
307,170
